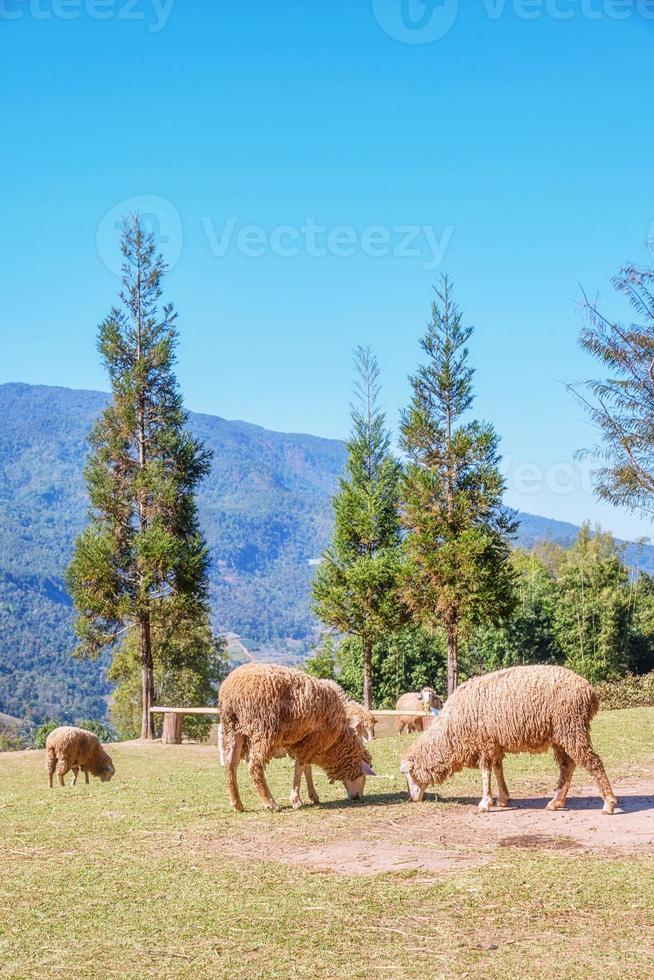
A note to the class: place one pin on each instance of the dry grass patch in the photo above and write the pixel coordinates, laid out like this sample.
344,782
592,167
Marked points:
137,877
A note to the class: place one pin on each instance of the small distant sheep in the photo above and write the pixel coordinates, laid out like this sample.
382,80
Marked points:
69,748
418,704
361,720
520,709
265,708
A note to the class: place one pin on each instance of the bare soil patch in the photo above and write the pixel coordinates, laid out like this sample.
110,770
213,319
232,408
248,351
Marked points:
364,857
582,825
452,835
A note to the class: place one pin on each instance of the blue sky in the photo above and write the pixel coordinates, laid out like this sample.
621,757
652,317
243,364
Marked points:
292,154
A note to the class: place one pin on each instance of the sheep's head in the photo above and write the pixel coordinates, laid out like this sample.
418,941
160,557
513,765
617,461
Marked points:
429,698
369,732
427,763
366,730
355,764
355,786
415,787
104,769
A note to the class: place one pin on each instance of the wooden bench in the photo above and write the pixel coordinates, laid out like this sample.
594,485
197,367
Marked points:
172,723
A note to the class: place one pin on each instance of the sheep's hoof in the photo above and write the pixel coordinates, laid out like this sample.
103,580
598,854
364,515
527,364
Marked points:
504,804
272,806
238,807
555,805
314,799
485,806
296,803
609,808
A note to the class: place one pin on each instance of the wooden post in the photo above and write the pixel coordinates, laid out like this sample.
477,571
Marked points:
172,729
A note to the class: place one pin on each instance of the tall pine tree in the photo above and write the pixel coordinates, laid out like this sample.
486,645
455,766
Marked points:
143,546
356,587
459,572
621,403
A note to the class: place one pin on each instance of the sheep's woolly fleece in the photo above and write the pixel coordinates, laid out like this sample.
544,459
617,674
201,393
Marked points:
280,707
74,748
521,709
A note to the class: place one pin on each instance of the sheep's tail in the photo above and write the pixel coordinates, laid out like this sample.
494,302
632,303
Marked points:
226,736
593,704
221,743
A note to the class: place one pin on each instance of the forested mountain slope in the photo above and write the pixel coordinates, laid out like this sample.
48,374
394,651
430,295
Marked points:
265,510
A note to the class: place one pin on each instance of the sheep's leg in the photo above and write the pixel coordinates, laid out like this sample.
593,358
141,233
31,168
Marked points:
502,788
86,777
232,759
50,766
566,772
61,771
487,799
296,802
584,755
256,766
311,789
75,775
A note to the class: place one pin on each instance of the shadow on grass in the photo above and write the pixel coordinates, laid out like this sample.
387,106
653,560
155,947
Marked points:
370,799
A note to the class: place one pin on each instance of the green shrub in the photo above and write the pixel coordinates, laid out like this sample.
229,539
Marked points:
104,732
631,691
41,733
11,738
189,661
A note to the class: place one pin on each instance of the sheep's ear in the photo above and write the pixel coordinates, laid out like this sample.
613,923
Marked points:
406,765
367,770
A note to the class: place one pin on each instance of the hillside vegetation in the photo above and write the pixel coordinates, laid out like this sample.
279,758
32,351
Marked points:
265,510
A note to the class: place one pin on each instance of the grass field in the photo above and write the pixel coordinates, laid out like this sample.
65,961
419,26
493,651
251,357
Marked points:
153,875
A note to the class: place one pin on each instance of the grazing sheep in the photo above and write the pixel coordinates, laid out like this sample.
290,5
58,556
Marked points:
360,720
520,709
69,748
418,704
362,723
265,708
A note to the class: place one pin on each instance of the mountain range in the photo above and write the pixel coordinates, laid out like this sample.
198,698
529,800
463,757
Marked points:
265,510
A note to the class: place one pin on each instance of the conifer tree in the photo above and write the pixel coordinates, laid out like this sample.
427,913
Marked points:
143,547
621,403
356,587
459,572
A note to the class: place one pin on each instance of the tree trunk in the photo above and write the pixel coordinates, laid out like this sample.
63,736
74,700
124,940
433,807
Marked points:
452,660
367,674
172,729
147,678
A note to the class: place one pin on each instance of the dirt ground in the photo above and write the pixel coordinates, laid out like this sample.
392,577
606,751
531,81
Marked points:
452,835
